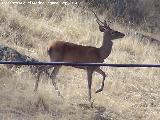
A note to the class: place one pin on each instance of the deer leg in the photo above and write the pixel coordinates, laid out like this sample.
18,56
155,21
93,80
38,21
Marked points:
53,76
37,81
38,76
89,77
55,72
104,76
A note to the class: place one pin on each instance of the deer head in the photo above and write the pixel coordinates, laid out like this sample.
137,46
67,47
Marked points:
104,27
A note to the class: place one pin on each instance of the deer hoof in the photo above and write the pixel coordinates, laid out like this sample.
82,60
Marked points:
99,90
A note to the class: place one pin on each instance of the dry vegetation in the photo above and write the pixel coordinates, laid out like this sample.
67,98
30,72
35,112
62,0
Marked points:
130,93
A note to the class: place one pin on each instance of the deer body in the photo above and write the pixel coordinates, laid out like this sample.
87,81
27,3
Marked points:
69,52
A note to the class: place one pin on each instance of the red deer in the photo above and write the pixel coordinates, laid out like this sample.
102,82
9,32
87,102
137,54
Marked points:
61,51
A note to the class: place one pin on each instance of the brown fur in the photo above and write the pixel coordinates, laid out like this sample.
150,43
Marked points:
69,52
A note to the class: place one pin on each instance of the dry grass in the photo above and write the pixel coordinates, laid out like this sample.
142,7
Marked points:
130,93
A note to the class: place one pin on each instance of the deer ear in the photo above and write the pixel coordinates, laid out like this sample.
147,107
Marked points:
105,23
101,28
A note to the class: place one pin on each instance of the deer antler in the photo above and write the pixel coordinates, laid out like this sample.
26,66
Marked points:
98,20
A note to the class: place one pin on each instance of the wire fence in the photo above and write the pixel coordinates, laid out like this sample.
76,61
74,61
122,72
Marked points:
79,64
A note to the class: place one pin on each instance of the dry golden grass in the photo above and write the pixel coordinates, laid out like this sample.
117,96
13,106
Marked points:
130,93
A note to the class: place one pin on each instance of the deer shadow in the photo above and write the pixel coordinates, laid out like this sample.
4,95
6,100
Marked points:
98,111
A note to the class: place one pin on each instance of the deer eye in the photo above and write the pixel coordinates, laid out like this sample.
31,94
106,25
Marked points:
112,33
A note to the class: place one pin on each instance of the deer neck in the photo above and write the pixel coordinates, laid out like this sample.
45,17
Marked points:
106,47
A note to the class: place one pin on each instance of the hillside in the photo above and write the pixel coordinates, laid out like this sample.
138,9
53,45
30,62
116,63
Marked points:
129,93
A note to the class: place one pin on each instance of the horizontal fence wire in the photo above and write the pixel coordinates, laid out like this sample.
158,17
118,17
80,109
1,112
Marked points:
78,64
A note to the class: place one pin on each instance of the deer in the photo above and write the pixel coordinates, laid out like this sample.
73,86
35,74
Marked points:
61,51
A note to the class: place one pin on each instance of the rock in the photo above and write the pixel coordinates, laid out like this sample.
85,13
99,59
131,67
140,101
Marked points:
147,39
9,54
